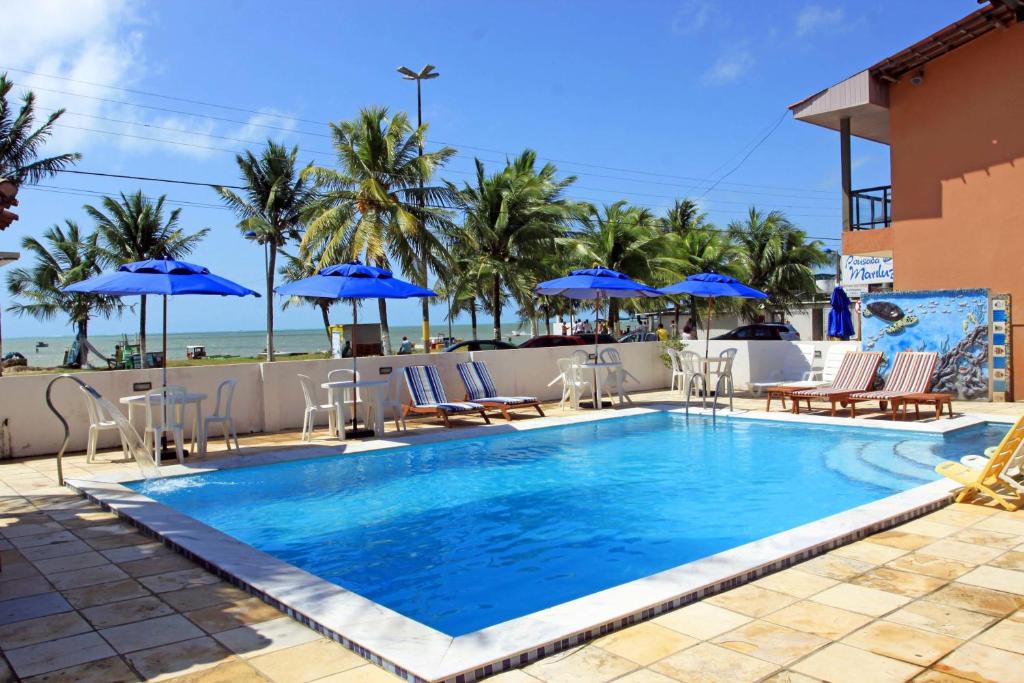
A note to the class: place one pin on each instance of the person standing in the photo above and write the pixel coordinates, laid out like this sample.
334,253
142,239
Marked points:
661,332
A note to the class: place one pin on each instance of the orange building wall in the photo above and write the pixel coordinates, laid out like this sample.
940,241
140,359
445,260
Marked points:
957,158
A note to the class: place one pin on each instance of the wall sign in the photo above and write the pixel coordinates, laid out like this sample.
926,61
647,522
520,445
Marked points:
861,271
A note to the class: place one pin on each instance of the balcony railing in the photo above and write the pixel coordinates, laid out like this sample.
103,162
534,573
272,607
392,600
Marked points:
871,208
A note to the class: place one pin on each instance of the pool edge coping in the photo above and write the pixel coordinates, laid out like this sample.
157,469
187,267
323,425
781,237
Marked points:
419,653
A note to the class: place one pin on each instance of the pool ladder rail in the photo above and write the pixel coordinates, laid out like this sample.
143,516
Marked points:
724,381
64,422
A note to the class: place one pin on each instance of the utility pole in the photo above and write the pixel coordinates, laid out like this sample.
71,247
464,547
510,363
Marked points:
426,73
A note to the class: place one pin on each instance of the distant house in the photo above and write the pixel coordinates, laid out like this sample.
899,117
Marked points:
951,109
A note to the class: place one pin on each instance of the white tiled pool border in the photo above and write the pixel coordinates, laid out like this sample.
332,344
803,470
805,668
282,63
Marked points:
419,653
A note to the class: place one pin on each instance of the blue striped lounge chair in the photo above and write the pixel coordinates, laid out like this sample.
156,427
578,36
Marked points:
480,389
426,395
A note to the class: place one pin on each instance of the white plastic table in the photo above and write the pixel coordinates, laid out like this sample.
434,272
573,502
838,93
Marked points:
191,398
370,390
597,365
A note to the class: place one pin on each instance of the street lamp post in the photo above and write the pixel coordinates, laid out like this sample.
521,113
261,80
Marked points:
426,73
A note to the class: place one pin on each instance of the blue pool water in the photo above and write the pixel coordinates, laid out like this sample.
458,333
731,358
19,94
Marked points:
468,533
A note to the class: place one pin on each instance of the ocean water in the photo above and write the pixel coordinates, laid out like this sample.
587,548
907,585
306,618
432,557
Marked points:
469,533
240,343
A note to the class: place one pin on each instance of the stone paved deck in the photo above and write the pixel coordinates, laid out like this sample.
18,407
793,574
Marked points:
83,597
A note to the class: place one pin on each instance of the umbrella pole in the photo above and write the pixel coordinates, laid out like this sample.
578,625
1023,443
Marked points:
355,353
707,336
165,341
142,342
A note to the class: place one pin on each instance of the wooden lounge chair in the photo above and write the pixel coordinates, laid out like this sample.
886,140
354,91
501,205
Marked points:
426,395
911,374
991,480
480,389
856,374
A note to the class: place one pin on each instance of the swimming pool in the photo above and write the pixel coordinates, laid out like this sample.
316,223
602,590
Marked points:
464,534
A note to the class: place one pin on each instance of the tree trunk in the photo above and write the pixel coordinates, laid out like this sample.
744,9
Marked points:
613,315
327,321
677,317
271,265
496,304
472,316
547,319
533,326
142,330
385,331
83,337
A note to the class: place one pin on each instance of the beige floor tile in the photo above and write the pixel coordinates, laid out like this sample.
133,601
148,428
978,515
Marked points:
150,633
232,615
31,631
968,553
771,642
159,564
944,619
105,593
118,541
962,516
268,636
870,601
306,662
991,539
178,580
834,566
925,526
789,677
840,663
1007,524
931,565
645,643
797,584
895,581
136,552
53,655
822,620
513,676
69,562
976,599
903,642
109,670
51,550
126,611
701,620
178,659
581,666
982,663
89,576
708,663
995,578
871,553
368,673
752,600
1013,559
1006,635
22,588
231,671
933,676
897,538
189,599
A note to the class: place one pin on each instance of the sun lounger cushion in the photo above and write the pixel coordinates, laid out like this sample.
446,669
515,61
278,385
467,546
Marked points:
911,374
426,390
460,407
856,373
480,387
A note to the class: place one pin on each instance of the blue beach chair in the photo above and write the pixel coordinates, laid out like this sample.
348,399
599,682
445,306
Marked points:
426,395
480,389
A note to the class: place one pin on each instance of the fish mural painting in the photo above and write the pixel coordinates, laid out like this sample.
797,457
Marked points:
953,323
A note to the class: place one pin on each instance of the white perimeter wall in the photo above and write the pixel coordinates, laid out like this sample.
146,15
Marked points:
269,398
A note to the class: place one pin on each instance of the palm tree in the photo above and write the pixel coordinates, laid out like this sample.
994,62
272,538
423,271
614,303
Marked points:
273,208
134,228
776,258
684,217
298,267
20,144
627,239
511,221
371,204
704,249
63,257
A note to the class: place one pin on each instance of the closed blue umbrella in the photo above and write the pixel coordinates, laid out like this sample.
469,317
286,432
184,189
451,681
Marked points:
354,281
711,286
166,277
840,320
596,283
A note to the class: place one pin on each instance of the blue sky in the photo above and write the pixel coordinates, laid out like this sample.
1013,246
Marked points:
644,101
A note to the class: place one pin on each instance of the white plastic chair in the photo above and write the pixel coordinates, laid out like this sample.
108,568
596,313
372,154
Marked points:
312,408
615,378
679,378
393,400
165,414
725,369
346,375
99,421
222,413
573,385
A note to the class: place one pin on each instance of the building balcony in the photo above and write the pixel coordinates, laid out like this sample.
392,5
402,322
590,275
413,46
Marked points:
871,208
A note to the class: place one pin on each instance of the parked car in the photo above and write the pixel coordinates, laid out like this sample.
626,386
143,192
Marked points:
480,345
639,337
548,340
763,331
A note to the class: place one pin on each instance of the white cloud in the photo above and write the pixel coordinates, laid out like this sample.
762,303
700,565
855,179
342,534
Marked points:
814,18
693,16
729,67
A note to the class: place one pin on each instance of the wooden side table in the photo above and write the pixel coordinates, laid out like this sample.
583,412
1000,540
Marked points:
917,400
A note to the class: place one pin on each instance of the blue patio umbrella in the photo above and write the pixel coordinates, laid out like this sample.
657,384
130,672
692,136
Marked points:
596,283
840,320
165,277
711,286
354,281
